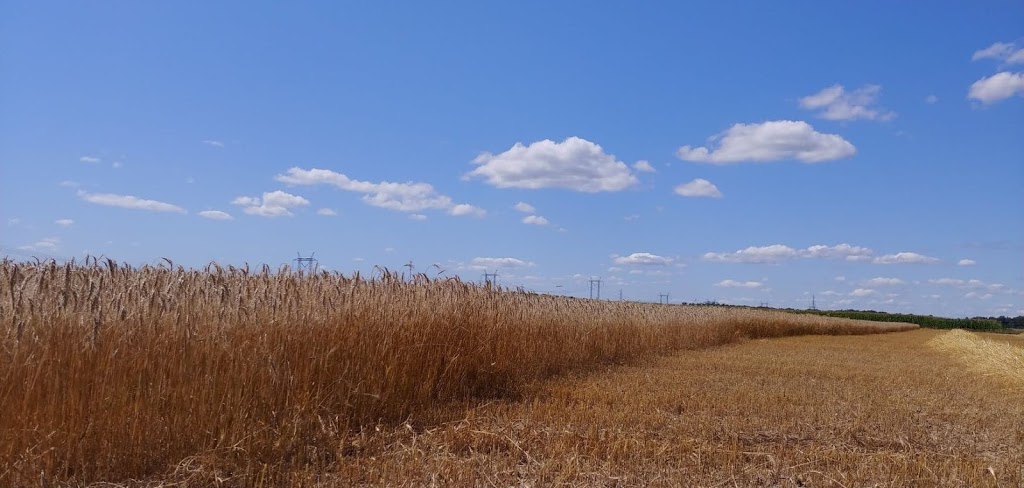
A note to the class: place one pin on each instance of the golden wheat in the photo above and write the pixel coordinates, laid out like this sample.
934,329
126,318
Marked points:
109,372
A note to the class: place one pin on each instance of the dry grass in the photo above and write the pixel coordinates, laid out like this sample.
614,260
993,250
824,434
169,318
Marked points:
227,376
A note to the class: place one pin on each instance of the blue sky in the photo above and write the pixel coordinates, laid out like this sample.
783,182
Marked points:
869,153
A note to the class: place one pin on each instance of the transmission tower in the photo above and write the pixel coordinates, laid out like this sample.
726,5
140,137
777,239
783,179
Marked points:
490,278
663,298
410,266
308,265
814,305
596,281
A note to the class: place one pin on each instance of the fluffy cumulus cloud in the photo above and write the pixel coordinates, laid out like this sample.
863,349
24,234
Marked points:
272,204
494,263
525,207
575,164
129,201
966,262
643,259
535,220
327,212
64,222
403,197
882,281
836,103
698,188
739,284
465,209
1007,52
47,244
905,258
215,215
644,166
839,251
999,86
770,141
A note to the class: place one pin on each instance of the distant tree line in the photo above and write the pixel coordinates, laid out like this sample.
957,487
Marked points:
932,322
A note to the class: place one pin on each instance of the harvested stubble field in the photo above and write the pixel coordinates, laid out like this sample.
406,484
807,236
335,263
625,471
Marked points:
161,376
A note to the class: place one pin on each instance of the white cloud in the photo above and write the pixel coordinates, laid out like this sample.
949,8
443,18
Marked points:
766,254
326,212
419,217
1006,52
89,159
492,263
13,221
215,215
465,209
535,220
631,217
47,244
69,184
830,293
905,258
770,141
116,164
129,201
947,282
778,252
931,99
64,222
840,278
881,281
402,197
217,144
839,251
862,292
643,258
997,87
835,103
273,204
644,166
698,188
966,262
739,284
525,207
575,163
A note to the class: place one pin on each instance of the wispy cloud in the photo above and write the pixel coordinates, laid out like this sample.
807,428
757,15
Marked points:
776,253
327,212
739,284
966,262
1007,52
493,263
643,259
905,258
47,244
129,201
89,159
410,196
215,215
64,222
836,103
525,207
210,142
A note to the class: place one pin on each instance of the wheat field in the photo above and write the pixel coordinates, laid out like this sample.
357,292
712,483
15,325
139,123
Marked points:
238,377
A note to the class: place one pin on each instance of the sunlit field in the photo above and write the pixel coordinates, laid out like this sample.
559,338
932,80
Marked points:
130,375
